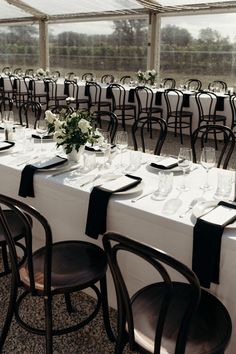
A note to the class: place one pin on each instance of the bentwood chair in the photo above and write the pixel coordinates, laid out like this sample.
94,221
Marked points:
19,89
120,107
217,85
29,72
177,118
233,110
61,109
71,75
94,92
107,79
6,70
126,79
88,76
6,104
207,110
161,131
111,120
193,84
168,83
17,71
71,89
168,315
34,94
30,112
201,135
56,268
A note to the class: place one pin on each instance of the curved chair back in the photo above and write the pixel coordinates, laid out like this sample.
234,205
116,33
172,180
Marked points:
88,76
193,85
56,74
17,71
110,118
29,72
126,79
6,70
168,83
233,109
206,102
144,96
71,75
162,288
107,79
217,85
118,96
30,111
228,142
94,92
174,101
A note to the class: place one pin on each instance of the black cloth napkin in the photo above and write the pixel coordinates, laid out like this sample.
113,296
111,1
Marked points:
186,100
220,103
90,148
15,84
97,210
1,82
27,176
158,98
66,88
7,145
46,86
162,167
108,92
206,249
86,90
45,137
131,95
30,85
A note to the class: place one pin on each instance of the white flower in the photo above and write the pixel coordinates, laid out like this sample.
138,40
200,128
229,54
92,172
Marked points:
84,126
58,136
153,72
50,117
70,99
57,124
100,139
40,71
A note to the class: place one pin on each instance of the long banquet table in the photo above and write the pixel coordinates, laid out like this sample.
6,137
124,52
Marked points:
65,203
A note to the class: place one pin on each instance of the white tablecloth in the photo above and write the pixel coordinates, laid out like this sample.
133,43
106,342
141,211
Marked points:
65,205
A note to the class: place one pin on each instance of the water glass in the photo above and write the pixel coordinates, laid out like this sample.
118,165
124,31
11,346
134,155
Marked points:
185,160
208,160
135,160
90,162
165,183
224,184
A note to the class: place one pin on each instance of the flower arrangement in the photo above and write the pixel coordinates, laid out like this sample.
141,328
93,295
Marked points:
147,76
72,130
42,73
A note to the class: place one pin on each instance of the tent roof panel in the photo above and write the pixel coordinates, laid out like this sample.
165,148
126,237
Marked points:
10,11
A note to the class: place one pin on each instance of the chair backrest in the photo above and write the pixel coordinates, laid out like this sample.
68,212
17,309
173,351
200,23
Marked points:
193,84
204,132
18,85
109,117
17,71
71,88
217,85
94,92
6,70
168,83
55,74
118,96
6,104
30,111
21,209
174,100
115,245
233,109
71,75
61,109
144,96
107,79
126,79
29,72
88,76
50,88
206,102
161,130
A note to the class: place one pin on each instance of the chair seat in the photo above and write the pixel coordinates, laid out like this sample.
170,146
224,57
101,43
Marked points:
125,107
209,332
156,109
213,118
74,264
16,226
181,114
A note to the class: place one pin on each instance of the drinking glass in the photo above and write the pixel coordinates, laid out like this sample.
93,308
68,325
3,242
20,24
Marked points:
105,147
208,160
185,160
41,129
121,141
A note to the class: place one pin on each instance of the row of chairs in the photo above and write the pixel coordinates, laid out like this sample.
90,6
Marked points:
184,317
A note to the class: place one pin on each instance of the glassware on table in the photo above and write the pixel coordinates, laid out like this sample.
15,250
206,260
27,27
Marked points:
165,183
121,141
41,129
208,160
185,160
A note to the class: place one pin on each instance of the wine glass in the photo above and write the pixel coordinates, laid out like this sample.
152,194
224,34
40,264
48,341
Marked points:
121,141
208,160
41,129
185,160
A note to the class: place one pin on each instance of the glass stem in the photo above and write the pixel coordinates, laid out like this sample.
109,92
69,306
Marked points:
206,183
184,179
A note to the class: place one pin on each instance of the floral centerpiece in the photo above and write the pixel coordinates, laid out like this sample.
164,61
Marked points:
147,76
71,131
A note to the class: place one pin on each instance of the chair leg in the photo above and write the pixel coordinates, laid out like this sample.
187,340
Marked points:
5,259
48,320
70,308
134,128
10,312
106,318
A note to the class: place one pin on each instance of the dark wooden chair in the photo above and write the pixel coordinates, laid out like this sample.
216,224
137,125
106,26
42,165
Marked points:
88,76
71,89
107,79
29,72
120,107
168,315
168,83
218,85
19,90
193,84
94,92
6,104
126,79
108,117
233,110
56,268
177,118
6,70
61,109
34,94
160,129
30,112
203,132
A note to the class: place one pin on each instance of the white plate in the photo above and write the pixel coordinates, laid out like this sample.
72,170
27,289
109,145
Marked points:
56,168
134,190
176,169
203,207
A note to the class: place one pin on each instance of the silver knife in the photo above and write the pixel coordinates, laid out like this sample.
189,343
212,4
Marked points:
142,196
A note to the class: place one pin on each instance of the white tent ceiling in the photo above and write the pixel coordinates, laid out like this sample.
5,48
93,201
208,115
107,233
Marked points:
56,10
